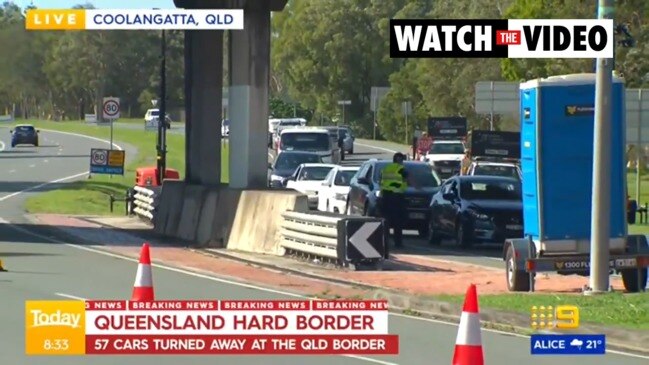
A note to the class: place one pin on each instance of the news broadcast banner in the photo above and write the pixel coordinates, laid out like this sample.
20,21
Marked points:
209,327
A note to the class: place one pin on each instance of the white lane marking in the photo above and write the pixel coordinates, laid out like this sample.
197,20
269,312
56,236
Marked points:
2,146
3,198
12,171
46,161
69,296
269,290
32,165
234,283
375,147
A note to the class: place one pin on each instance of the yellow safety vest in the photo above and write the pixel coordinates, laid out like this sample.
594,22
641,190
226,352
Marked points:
391,178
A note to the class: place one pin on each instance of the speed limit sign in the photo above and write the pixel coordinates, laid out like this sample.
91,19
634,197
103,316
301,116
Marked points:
111,108
98,157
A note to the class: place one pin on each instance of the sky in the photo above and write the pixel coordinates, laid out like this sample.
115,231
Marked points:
100,4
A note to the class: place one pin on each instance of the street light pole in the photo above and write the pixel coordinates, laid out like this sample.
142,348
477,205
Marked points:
601,198
162,116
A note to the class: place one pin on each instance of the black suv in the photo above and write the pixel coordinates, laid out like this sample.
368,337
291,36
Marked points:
365,192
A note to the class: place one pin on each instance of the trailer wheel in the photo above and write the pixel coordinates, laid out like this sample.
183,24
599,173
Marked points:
516,280
633,280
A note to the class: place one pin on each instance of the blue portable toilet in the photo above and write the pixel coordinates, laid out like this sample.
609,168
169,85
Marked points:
557,129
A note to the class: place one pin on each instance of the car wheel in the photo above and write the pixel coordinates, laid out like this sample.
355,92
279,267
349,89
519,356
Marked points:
36,144
517,281
634,280
462,237
433,237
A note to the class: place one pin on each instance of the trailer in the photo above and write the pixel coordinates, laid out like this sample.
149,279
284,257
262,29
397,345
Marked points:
557,127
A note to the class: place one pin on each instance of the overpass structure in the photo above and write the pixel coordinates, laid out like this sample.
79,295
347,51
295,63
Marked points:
244,214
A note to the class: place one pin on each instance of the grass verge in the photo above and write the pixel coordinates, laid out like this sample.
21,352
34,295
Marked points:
619,310
91,196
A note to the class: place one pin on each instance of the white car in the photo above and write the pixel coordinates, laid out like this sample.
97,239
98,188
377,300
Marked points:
332,195
488,168
307,179
445,156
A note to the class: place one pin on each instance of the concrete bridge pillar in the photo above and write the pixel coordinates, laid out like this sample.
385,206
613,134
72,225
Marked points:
249,70
203,93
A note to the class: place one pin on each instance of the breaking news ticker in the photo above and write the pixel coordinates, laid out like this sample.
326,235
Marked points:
204,327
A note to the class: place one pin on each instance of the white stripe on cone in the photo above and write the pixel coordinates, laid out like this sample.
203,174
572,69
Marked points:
144,276
469,331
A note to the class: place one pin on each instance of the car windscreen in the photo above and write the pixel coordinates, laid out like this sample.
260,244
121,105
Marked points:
155,113
420,174
447,149
24,129
490,190
290,161
305,142
344,177
490,170
311,173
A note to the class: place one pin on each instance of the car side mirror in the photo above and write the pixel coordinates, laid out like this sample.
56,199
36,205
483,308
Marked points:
38,131
11,131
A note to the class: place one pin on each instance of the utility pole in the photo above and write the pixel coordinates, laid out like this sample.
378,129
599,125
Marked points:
162,116
601,199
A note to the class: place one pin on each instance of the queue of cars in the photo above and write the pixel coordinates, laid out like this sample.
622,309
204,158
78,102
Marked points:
484,206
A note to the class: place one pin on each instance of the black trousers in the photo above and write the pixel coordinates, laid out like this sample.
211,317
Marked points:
393,210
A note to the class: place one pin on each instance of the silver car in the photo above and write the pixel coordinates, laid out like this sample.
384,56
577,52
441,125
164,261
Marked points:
348,139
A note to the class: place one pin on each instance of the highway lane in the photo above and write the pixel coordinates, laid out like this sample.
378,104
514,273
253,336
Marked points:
44,270
27,170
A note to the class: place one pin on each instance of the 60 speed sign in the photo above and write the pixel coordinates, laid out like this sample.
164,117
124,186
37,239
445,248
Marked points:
111,108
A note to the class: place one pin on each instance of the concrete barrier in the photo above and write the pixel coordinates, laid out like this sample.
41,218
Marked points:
257,223
221,217
190,212
167,216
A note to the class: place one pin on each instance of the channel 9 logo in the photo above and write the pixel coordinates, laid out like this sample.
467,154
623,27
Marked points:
560,317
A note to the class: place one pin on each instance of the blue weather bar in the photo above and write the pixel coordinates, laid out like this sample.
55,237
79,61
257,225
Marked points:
568,344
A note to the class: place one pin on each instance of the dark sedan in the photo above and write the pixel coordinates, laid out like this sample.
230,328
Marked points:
474,209
285,164
24,134
365,192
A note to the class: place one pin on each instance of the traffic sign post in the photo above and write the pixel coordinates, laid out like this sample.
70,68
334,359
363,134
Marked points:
378,93
344,103
110,111
407,110
105,161
496,97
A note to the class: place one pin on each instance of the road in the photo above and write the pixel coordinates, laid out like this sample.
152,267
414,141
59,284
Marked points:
44,269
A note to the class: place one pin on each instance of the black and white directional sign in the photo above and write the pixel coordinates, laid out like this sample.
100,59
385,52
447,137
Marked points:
364,239
111,108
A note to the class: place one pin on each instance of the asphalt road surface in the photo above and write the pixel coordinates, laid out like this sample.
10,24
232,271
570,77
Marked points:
44,269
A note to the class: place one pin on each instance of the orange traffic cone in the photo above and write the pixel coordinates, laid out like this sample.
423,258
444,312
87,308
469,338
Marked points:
143,287
468,344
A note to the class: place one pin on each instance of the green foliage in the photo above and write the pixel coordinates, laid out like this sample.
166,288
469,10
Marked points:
43,74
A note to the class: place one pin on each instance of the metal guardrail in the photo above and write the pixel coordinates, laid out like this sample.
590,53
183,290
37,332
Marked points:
144,202
347,241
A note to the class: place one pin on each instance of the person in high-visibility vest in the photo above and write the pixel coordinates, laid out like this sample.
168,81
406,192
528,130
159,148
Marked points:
466,162
393,181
